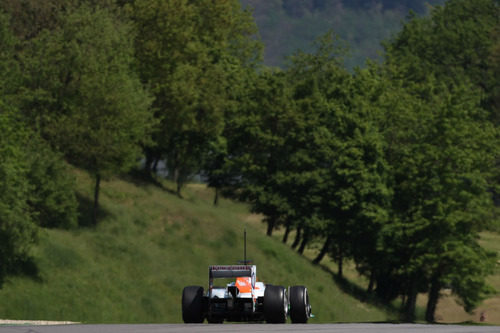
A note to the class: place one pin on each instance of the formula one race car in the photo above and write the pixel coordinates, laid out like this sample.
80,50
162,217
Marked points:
244,299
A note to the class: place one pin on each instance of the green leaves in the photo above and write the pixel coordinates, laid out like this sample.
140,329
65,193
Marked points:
81,94
35,186
442,149
100,112
192,54
52,198
17,230
260,142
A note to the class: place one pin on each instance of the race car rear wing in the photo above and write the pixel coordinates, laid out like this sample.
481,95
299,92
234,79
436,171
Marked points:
232,271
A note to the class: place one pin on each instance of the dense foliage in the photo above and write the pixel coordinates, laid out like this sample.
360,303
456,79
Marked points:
36,188
190,54
394,166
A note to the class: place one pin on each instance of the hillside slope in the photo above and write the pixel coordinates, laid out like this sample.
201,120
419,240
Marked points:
149,244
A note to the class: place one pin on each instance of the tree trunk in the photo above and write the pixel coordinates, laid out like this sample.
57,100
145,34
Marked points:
270,226
96,197
339,259
340,264
178,181
324,250
216,197
433,300
371,285
179,188
149,162
297,237
287,231
155,164
305,240
411,302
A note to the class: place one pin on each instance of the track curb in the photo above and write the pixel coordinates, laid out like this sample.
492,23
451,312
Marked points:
35,322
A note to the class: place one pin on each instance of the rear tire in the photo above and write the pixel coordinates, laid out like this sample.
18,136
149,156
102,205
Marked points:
275,304
192,304
300,309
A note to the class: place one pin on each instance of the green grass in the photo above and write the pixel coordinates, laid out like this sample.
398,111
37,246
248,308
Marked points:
148,245
491,241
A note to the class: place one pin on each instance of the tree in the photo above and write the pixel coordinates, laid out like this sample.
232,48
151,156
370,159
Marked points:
187,52
30,17
344,153
9,66
494,61
495,84
441,150
455,40
52,197
462,206
259,143
444,168
82,95
17,230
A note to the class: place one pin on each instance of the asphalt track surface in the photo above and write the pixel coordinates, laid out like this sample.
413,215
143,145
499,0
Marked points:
212,328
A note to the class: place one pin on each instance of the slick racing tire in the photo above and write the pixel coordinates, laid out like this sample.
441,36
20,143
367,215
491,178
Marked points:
192,304
275,304
300,309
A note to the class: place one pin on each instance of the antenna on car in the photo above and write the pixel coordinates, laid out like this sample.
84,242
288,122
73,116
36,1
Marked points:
245,261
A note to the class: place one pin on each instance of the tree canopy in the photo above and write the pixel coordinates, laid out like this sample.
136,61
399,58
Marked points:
189,54
82,95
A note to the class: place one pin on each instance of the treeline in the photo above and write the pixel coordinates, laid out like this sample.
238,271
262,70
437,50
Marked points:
394,166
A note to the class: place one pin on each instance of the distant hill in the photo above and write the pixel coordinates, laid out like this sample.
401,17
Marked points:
288,25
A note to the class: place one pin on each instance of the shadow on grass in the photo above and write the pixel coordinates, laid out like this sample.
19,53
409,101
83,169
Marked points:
86,212
361,294
27,267
140,178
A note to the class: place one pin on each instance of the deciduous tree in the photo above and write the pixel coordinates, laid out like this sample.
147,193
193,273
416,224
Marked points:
345,152
445,160
83,96
187,52
17,229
